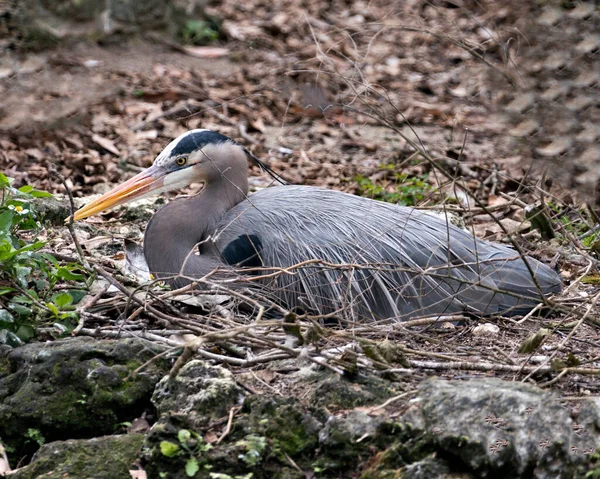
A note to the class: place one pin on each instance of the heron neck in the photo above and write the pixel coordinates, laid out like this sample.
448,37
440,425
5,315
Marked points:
177,229
219,196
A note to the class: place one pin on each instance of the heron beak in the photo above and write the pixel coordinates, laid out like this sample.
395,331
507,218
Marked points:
140,185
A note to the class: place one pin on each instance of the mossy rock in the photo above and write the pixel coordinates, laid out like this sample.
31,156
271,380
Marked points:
337,392
200,391
74,388
264,434
291,428
108,457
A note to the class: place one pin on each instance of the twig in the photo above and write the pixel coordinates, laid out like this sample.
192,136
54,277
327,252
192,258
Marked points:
392,400
69,220
293,464
488,367
232,412
82,309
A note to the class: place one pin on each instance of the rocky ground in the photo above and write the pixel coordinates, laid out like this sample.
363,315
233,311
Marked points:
503,98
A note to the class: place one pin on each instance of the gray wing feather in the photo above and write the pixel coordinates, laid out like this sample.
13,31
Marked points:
409,263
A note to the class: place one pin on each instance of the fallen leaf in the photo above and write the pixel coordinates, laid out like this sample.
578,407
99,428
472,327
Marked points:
35,153
266,375
206,52
211,437
557,147
139,425
106,144
494,200
533,342
96,242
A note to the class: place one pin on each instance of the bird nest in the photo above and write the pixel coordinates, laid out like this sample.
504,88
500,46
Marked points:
248,333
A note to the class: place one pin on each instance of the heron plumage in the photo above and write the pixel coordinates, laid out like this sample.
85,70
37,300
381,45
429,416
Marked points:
359,258
407,262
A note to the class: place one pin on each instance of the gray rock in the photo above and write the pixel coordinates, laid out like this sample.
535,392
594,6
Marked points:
428,468
106,457
199,391
505,429
73,388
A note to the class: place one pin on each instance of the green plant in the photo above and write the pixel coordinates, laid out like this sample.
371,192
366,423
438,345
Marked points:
402,189
254,446
578,222
36,436
191,444
199,32
28,276
595,463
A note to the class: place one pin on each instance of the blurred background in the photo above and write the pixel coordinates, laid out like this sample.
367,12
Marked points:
497,92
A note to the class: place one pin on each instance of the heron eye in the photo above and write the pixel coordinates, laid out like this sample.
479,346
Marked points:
182,160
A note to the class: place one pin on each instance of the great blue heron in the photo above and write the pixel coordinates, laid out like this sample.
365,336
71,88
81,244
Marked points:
380,260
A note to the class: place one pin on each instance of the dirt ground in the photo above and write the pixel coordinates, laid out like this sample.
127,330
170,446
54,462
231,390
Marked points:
504,95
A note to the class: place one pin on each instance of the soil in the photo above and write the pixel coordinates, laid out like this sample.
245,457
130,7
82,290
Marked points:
458,72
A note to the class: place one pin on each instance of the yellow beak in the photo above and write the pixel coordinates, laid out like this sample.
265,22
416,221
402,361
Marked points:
141,184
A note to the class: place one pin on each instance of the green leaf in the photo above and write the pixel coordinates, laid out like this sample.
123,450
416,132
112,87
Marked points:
191,467
69,315
10,339
62,299
20,309
21,273
41,194
31,247
4,291
51,259
26,189
5,181
184,436
33,293
6,250
77,295
6,221
21,299
169,449
6,317
64,273
52,307
26,332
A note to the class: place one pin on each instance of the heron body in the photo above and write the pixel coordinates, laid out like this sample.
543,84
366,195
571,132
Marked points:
358,257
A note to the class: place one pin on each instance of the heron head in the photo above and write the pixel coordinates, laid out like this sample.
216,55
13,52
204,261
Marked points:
193,157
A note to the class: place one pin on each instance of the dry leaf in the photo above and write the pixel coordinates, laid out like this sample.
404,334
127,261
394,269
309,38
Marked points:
206,52
533,342
266,375
4,466
96,242
106,144
211,437
135,474
139,425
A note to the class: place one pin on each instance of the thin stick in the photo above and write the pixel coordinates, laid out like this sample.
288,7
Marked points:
81,310
69,220
232,412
